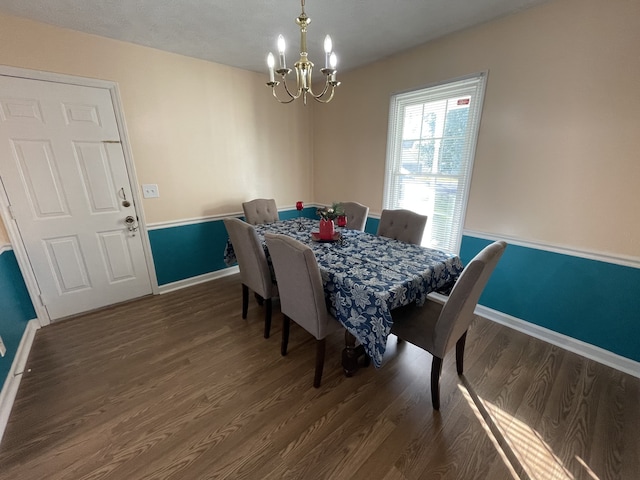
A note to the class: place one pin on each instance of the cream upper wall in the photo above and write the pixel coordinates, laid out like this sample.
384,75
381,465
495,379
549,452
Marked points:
209,135
4,237
557,159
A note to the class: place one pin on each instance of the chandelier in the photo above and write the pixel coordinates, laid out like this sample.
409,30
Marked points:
303,68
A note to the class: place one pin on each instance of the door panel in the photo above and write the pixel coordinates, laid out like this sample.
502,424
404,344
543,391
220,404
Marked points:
68,265
17,109
97,177
117,256
66,178
41,179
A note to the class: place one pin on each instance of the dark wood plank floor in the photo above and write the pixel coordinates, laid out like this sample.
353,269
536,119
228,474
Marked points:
178,386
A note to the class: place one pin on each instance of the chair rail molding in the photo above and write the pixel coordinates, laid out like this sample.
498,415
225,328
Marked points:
213,218
623,260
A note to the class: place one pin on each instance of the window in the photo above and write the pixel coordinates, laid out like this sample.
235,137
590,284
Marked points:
430,149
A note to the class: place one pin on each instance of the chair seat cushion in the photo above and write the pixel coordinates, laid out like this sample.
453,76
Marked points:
416,324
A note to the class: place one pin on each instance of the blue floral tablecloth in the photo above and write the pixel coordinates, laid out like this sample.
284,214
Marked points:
366,276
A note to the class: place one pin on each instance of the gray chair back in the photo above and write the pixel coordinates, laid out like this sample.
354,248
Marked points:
403,225
356,214
457,313
437,327
260,210
300,285
252,260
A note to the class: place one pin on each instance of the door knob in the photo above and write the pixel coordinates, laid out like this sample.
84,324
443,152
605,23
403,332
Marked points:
131,223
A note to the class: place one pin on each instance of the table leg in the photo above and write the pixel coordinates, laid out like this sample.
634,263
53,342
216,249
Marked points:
349,358
351,353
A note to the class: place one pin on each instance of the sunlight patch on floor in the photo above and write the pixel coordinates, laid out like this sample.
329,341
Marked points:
532,452
490,434
590,472
521,447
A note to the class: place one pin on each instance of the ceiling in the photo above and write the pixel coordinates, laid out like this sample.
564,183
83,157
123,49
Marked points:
240,33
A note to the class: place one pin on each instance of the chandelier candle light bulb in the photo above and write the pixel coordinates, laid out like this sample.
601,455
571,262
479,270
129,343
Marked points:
303,68
333,62
327,51
281,48
270,64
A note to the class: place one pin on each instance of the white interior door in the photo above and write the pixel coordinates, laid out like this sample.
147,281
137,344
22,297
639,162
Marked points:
64,173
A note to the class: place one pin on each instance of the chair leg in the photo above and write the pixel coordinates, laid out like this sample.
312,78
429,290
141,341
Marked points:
436,369
460,353
245,300
320,348
267,318
286,323
259,299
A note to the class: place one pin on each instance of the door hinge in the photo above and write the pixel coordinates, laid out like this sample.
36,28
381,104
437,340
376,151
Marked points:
13,215
41,298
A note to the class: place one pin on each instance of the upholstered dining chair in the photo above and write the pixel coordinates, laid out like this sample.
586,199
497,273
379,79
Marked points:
356,214
403,225
436,327
254,269
260,210
301,294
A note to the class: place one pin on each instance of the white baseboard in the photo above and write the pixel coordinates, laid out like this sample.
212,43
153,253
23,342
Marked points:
207,277
11,384
587,350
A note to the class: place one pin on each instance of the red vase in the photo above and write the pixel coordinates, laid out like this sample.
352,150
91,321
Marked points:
327,229
342,221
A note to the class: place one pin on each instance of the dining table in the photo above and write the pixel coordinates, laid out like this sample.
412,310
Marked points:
365,278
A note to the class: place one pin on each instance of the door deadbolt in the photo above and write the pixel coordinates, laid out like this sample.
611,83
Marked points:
125,202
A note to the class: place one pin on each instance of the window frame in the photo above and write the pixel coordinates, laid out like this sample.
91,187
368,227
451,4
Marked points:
399,101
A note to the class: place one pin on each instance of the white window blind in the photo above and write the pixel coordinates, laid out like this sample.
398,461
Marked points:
430,150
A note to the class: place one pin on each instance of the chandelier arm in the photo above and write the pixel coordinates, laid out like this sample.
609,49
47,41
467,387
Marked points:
320,99
324,90
275,95
286,87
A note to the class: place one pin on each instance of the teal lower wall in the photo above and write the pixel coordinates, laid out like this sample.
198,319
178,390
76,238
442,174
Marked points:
188,251
372,225
203,250
589,300
16,309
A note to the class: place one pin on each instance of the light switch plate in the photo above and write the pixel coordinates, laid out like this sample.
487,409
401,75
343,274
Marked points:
150,190
3,349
